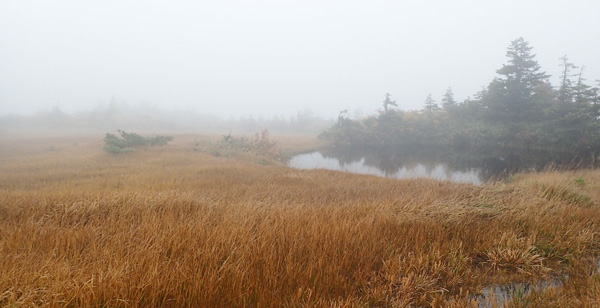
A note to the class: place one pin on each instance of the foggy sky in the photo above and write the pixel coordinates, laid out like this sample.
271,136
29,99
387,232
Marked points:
274,57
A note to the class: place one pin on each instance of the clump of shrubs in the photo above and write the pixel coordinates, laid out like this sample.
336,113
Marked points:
128,142
260,144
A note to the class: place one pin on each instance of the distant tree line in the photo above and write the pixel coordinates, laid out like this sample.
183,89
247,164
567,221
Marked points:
145,118
519,114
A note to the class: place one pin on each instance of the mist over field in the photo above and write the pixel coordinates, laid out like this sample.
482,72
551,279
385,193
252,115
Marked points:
272,57
287,153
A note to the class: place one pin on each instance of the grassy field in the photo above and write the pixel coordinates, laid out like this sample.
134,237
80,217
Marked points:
177,227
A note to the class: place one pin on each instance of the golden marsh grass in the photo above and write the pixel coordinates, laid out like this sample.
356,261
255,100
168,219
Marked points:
178,228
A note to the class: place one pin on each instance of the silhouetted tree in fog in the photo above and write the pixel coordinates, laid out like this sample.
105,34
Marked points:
387,102
448,101
566,89
430,104
511,96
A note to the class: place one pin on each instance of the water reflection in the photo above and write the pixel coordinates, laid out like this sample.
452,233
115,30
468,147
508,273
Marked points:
500,295
392,166
441,164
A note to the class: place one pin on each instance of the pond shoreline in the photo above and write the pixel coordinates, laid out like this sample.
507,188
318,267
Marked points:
498,295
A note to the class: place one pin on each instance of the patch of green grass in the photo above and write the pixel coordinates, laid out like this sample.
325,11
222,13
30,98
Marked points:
552,192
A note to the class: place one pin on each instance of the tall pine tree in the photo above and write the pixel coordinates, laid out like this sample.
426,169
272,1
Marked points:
512,96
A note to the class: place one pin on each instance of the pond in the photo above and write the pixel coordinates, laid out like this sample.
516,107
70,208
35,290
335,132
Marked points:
458,167
438,171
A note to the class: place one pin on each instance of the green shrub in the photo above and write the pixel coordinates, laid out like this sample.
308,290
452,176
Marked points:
260,144
127,142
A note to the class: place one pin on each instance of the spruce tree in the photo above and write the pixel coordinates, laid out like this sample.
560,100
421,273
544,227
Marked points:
430,104
448,101
511,96
566,89
583,93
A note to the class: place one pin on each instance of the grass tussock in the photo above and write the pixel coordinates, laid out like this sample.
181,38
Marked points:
521,260
178,228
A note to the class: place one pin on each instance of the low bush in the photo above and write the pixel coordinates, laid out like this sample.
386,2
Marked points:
127,142
260,144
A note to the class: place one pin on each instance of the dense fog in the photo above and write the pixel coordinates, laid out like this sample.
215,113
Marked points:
272,58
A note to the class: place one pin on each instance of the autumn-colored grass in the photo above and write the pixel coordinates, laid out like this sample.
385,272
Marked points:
180,228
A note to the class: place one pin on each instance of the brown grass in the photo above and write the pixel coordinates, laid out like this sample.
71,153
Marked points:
174,227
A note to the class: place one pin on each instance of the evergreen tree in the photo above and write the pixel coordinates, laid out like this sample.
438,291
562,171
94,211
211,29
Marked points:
388,102
522,73
448,101
583,93
520,81
566,89
430,104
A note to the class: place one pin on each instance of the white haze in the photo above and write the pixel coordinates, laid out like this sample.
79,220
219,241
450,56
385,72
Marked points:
274,57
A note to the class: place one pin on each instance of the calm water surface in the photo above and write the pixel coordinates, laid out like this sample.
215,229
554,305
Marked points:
387,167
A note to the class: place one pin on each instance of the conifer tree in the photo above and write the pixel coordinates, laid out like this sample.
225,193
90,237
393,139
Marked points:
566,88
387,102
511,96
430,104
448,101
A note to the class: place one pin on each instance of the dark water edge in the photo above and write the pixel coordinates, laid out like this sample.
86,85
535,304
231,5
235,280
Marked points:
500,295
473,167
